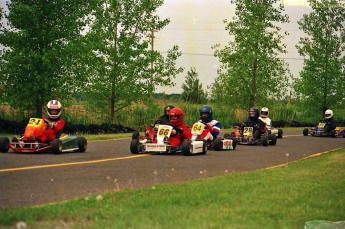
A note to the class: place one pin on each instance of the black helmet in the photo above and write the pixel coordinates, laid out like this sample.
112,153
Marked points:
168,107
253,113
206,110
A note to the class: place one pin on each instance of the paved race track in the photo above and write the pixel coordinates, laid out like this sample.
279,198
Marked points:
32,179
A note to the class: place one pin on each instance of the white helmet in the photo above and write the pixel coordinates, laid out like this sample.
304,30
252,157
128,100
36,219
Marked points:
328,114
264,112
54,109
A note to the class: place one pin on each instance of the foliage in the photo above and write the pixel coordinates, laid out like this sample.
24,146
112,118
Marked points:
125,68
44,47
252,72
322,82
192,90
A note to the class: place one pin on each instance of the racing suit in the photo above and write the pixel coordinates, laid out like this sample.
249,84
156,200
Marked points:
268,122
330,125
54,127
214,129
182,131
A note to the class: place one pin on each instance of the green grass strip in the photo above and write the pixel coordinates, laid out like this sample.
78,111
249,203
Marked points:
281,197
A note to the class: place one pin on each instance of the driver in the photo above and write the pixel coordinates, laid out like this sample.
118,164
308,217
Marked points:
330,123
55,123
181,130
259,127
212,125
264,113
164,119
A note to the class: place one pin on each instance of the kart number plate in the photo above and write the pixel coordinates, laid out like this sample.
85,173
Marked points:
227,144
322,125
163,131
198,128
155,147
248,131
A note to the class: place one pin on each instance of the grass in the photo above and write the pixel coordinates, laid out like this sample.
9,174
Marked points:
282,197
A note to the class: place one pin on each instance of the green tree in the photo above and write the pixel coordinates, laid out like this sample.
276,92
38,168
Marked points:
127,67
192,89
322,80
252,72
43,50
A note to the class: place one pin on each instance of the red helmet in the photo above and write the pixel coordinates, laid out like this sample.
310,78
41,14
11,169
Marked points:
176,116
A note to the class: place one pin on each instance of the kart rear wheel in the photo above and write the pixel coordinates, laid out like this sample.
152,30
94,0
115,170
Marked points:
135,135
82,144
4,145
305,131
187,148
234,144
218,144
264,140
56,146
135,149
272,139
280,133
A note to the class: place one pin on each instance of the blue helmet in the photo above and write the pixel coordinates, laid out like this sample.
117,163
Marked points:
206,110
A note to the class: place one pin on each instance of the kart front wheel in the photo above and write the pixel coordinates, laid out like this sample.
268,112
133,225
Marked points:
135,135
82,144
264,140
187,148
134,147
272,139
204,147
280,133
56,146
4,145
305,132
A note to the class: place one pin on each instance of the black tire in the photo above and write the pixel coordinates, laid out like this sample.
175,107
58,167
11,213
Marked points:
4,145
333,133
305,131
272,139
280,133
82,144
217,144
187,148
135,135
204,147
56,146
135,149
234,143
264,140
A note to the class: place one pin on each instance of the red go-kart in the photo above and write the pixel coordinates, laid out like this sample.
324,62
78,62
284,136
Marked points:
31,144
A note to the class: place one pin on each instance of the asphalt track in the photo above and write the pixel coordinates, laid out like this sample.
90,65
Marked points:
34,179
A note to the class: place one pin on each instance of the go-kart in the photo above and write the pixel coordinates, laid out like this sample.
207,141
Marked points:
31,144
246,137
319,131
156,140
200,132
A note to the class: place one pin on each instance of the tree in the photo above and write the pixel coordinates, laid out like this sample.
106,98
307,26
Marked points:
43,50
322,79
127,68
252,72
192,88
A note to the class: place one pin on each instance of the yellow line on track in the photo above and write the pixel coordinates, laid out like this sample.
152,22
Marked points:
70,163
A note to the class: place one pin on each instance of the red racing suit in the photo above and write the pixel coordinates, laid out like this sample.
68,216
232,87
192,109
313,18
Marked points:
182,132
54,126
